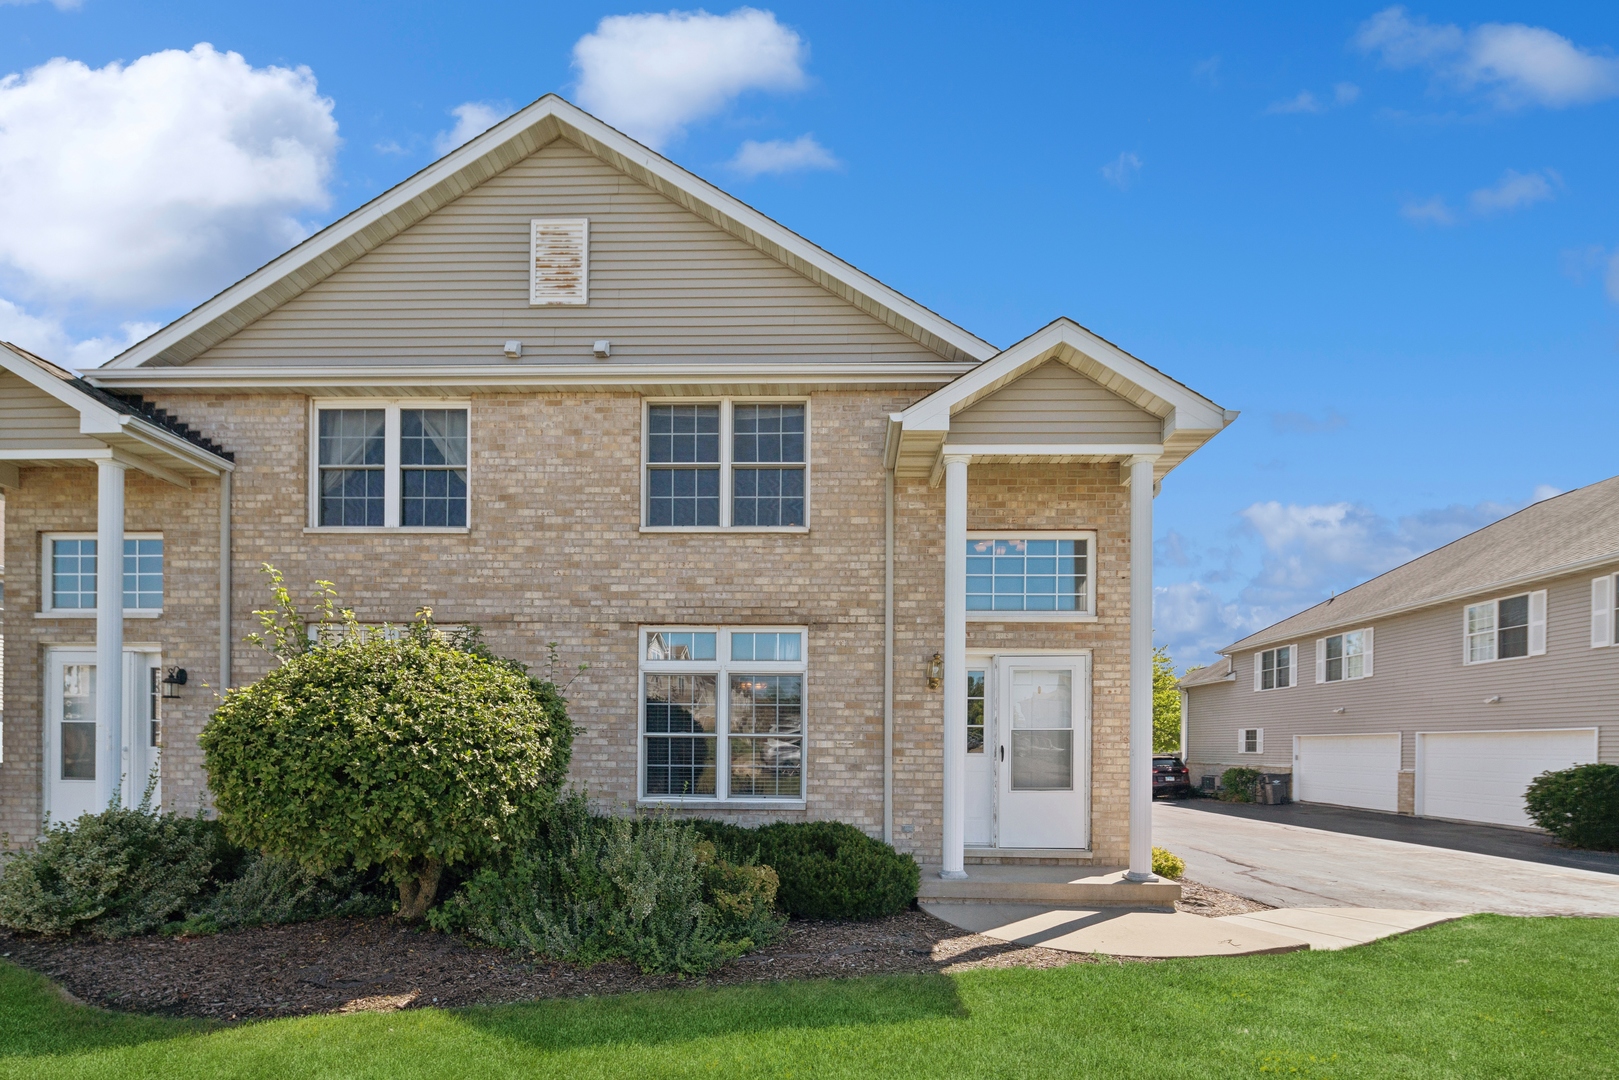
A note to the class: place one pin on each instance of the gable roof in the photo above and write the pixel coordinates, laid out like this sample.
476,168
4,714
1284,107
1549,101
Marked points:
116,425
1219,671
513,139
921,434
1561,535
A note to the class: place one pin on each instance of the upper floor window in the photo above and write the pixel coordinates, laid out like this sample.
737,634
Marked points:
1604,601
1273,668
71,573
1030,575
727,464
1344,656
390,466
1505,628
722,714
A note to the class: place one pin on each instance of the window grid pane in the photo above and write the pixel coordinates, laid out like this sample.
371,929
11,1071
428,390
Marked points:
975,712
767,496
433,492
1027,575
143,575
769,646
766,721
768,433
352,449
73,574
683,496
683,433
681,741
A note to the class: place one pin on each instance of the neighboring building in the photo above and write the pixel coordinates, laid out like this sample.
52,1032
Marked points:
827,554
1442,687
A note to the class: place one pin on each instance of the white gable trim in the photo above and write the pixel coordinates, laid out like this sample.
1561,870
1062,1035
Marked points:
502,146
1189,419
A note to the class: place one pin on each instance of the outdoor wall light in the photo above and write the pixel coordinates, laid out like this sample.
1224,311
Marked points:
936,671
173,679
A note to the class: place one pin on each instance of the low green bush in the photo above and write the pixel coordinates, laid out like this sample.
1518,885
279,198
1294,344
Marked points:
827,869
588,888
270,890
1239,785
113,874
1166,863
1579,806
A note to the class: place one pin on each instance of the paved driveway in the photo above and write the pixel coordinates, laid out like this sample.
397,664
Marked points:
1301,856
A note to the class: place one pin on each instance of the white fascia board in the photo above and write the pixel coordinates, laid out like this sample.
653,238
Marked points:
490,145
537,375
1098,450
94,417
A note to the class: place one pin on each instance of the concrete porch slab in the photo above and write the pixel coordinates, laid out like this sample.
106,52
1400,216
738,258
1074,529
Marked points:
1115,932
1032,883
1339,928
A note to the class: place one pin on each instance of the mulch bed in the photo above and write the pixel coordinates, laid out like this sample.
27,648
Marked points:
355,965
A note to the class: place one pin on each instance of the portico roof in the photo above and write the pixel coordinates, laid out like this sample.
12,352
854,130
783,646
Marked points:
49,416
1183,419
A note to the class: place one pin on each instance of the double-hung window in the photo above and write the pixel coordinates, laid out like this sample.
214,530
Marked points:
1273,668
1045,575
722,714
1344,657
727,464
1505,628
390,466
70,565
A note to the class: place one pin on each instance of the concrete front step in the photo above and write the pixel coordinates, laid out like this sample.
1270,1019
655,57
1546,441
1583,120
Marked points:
1032,883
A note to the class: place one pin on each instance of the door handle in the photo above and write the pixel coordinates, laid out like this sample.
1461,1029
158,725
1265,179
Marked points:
1003,753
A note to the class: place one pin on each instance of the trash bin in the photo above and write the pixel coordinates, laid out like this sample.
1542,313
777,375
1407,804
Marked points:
1274,789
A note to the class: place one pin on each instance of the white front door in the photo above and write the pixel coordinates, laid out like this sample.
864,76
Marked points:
72,787
1042,736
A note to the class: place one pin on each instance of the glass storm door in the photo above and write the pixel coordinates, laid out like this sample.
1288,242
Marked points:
1043,742
72,784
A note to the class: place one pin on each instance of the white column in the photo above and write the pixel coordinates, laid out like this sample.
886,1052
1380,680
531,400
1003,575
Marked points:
110,632
955,665
1140,669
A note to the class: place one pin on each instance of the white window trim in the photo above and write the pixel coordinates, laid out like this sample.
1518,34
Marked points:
1259,741
1088,615
46,611
1536,626
1367,649
727,435
390,467
1292,668
1604,611
722,668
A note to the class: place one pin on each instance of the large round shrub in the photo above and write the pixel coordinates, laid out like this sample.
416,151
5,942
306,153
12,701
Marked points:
830,870
1579,806
410,754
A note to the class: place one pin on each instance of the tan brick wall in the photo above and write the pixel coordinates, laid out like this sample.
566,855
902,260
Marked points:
554,552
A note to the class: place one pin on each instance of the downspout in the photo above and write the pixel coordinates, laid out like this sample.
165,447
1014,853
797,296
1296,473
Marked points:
224,580
890,459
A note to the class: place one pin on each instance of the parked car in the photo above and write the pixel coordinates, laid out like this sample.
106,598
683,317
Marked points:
1170,777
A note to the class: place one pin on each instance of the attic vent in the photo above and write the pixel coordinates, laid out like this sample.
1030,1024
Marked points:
559,261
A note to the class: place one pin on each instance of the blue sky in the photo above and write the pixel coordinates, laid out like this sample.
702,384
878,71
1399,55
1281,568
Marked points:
1388,236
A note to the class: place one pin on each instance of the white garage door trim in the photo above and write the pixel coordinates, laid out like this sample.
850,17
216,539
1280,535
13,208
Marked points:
1365,774
1470,783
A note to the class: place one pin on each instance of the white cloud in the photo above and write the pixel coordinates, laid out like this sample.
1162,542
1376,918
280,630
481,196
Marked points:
1434,211
651,75
781,156
1303,102
1121,171
48,338
1208,71
472,119
1515,190
1513,64
1345,93
152,182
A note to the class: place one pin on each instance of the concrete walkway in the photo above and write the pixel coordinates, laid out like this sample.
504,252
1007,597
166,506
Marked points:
1164,934
1292,866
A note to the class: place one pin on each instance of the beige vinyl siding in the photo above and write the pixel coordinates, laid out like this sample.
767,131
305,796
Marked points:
1055,404
31,419
665,285
1422,685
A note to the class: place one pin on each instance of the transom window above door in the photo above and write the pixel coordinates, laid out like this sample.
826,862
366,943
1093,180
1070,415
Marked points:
389,466
726,464
71,566
1030,576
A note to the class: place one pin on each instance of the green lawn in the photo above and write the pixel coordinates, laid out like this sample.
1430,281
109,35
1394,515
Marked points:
1488,996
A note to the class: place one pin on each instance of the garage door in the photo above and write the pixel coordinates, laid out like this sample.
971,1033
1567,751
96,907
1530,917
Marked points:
1348,770
1482,775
